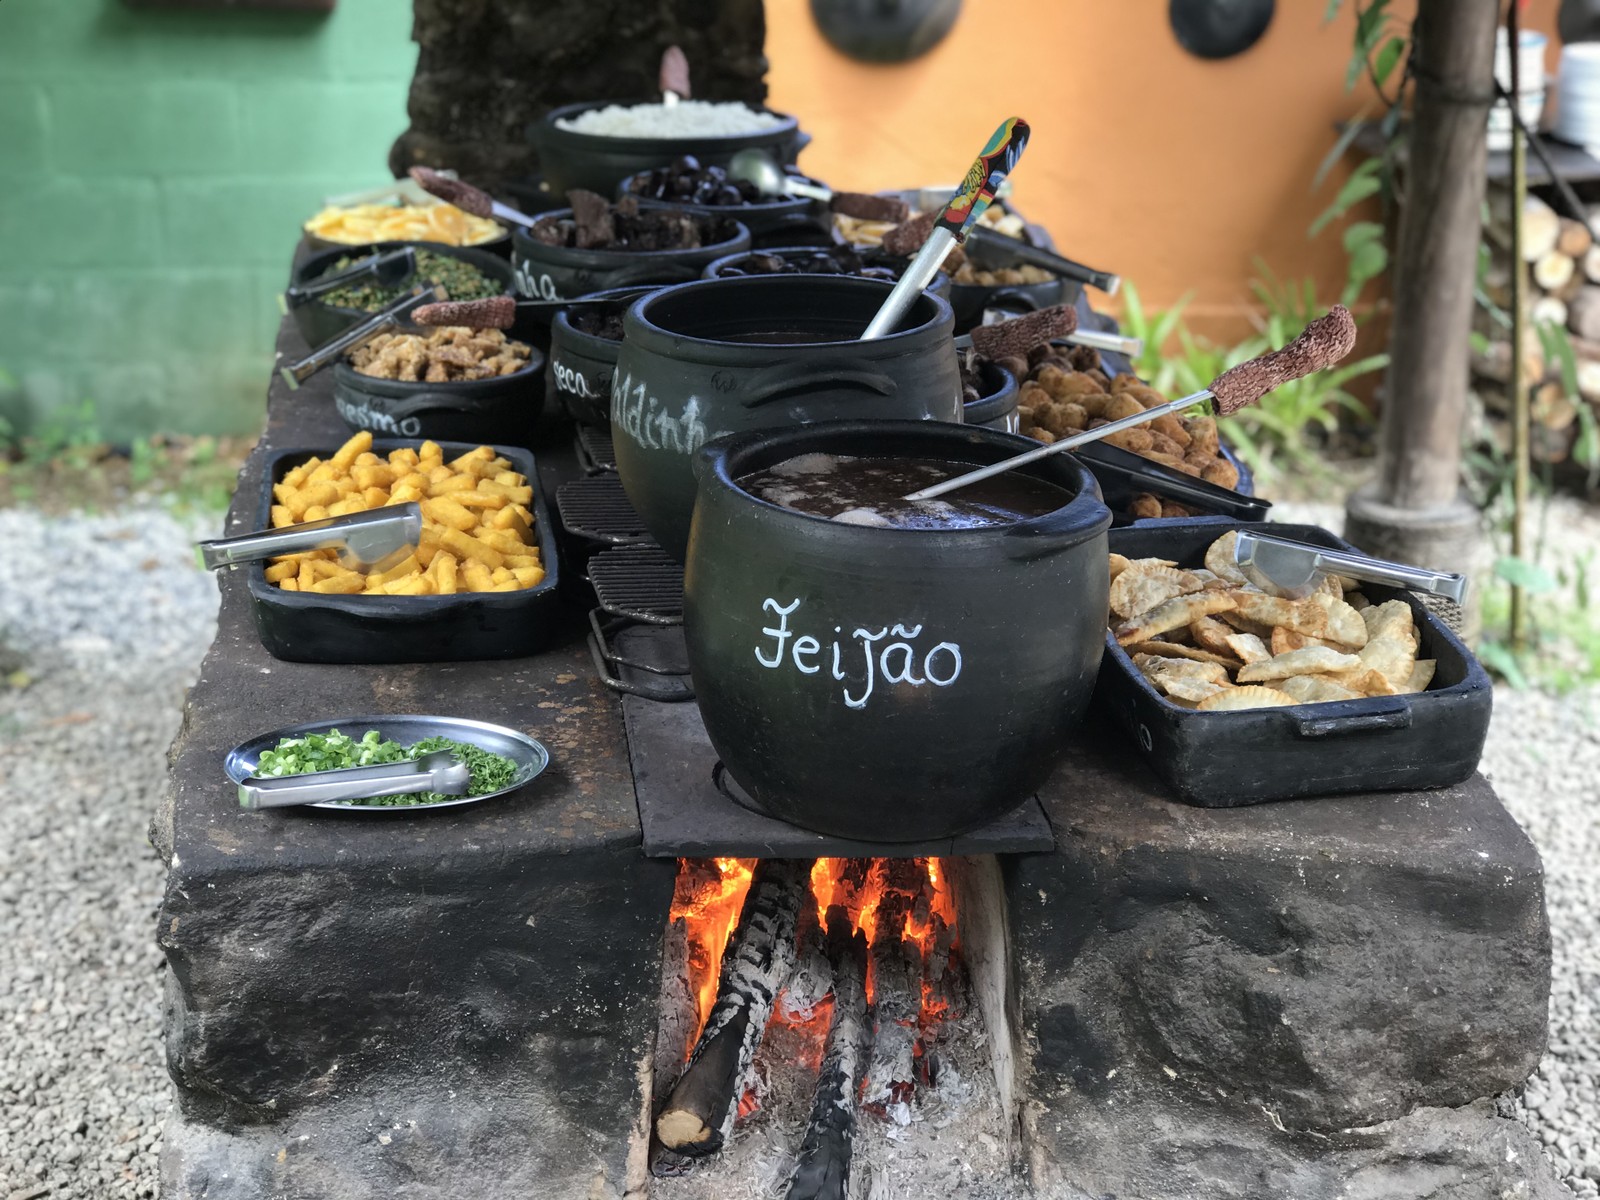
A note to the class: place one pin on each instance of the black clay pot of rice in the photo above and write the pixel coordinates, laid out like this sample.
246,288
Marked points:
569,159
320,322
815,260
995,405
499,411
729,355
546,272
582,357
890,684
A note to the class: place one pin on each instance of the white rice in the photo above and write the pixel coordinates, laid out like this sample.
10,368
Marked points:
687,118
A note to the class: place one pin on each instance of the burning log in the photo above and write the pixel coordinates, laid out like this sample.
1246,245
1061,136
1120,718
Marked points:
944,983
823,1169
813,974
680,1017
896,990
700,1111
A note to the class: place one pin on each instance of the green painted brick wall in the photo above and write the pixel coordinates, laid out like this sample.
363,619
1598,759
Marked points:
155,166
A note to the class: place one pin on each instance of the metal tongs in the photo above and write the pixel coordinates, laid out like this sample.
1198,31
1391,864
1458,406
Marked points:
1295,568
366,541
386,320
439,772
389,269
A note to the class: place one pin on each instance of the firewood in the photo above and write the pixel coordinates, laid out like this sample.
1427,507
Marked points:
1551,310
1553,270
1551,407
1574,239
1540,229
944,976
1589,380
699,1113
1583,314
1591,264
896,992
822,1171
680,1016
812,976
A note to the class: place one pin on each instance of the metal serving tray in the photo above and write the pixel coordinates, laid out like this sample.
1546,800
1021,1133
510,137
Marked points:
530,756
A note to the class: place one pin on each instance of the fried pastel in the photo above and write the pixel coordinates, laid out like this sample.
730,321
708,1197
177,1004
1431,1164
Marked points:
1119,564
1138,589
1364,680
1194,653
1301,616
1219,559
1284,640
1174,614
1393,655
1245,625
1390,616
1357,601
1211,634
1154,665
1421,676
1310,660
1247,647
1345,624
1316,689
1234,699
1190,691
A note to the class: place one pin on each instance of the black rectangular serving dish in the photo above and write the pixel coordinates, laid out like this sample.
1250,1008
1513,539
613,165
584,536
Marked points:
1122,475
1225,759
310,627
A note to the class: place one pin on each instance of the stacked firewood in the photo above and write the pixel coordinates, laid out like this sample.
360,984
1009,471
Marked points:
1563,273
784,955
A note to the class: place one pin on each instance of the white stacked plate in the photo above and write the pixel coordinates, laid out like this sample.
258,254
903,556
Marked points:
1530,102
1578,92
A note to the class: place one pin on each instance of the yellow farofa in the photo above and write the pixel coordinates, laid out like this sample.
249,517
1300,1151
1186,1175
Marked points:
477,521
363,223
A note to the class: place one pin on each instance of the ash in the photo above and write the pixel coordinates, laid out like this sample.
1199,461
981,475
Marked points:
948,1143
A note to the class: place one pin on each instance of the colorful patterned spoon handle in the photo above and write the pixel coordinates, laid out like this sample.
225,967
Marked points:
994,162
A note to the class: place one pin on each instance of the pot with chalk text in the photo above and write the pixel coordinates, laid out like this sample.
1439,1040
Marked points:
722,356
885,682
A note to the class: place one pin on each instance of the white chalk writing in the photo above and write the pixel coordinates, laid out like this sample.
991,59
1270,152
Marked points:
364,416
649,422
895,662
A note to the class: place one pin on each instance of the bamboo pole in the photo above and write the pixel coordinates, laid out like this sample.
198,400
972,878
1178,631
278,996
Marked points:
1519,332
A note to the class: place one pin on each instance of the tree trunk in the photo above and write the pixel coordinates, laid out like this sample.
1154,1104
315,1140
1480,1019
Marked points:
699,1114
822,1171
488,69
1436,259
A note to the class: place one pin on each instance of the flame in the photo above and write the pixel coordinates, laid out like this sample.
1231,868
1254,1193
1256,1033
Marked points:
710,893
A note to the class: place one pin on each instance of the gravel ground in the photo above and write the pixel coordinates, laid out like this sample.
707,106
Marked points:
83,1090
83,1086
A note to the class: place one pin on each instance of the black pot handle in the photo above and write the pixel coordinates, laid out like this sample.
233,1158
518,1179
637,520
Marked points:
780,385
1389,712
1012,299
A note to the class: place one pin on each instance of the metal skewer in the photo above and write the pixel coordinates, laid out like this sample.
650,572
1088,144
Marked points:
467,198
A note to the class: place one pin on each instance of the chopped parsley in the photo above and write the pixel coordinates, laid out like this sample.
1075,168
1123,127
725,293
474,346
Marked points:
333,750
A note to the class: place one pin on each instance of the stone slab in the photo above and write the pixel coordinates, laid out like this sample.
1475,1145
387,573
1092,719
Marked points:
1336,962
495,967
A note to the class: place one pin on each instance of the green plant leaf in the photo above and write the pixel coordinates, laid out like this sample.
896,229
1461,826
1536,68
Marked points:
1363,182
1503,661
1529,576
1361,233
1386,59
1348,134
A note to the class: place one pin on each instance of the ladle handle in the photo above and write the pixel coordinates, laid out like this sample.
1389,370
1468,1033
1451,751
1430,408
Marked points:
1021,251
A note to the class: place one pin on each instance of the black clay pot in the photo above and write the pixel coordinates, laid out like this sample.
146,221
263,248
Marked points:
501,411
568,159
774,223
890,685
566,272
717,269
319,323
683,378
970,300
996,405
579,373
499,246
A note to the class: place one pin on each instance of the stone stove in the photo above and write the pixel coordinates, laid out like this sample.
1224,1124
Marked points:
1309,999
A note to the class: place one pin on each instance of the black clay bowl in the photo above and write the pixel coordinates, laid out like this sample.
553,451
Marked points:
737,266
970,301
996,405
319,322
309,627
499,246
546,272
579,372
568,159
771,223
502,410
964,660
688,372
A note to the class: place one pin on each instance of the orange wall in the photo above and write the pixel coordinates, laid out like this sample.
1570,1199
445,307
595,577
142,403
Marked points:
1168,169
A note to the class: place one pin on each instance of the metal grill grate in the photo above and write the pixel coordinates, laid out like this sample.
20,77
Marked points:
598,509
596,455
640,582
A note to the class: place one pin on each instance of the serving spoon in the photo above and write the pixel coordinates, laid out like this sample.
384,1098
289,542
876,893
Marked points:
1321,344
